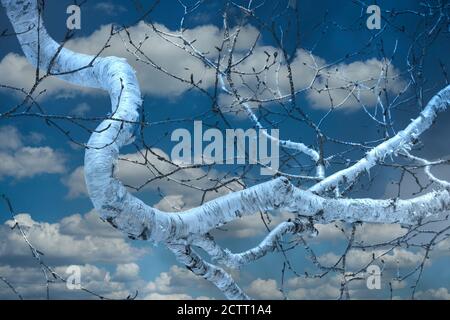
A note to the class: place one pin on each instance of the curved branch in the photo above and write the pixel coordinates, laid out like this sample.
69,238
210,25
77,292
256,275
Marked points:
216,275
130,215
403,140
269,244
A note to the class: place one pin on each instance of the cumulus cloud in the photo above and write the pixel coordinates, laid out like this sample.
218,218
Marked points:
314,288
127,271
71,241
28,162
434,294
346,85
367,233
328,287
82,225
75,183
21,75
325,291
251,226
378,233
366,80
296,288
10,138
20,161
172,59
174,284
152,81
357,259
74,239
264,289
29,282
310,72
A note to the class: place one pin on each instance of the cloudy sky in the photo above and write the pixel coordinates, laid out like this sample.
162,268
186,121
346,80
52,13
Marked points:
41,170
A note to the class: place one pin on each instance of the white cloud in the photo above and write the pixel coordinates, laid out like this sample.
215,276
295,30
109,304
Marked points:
372,77
314,288
75,183
79,225
174,296
86,241
324,291
28,162
10,138
174,284
171,203
127,271
296,288
174,60
70,241
251,226
367,233
303,68
434,294
339,79
81,109
378,233
264,289
397,284
310,73
78,239
19,161
30,283
21,75
357,259
81,240
171,58
35,137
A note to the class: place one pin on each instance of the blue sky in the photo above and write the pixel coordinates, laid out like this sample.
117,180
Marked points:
56,208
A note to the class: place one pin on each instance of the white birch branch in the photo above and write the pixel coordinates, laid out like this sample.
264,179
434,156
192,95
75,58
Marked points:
130,215
403,140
